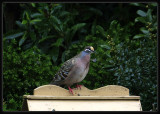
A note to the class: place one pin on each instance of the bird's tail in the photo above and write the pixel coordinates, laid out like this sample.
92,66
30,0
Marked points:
55,82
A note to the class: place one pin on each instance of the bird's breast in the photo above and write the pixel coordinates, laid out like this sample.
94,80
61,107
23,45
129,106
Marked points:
82,69
79,71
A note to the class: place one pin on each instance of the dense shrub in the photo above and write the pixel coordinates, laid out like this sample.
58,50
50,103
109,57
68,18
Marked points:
22,72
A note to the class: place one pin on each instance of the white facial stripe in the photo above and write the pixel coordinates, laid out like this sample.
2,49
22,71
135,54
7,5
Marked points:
87,50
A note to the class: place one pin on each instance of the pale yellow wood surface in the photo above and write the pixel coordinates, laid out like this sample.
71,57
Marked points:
110,90
84,105
107,98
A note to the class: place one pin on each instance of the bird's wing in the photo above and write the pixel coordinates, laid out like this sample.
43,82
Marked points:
63,72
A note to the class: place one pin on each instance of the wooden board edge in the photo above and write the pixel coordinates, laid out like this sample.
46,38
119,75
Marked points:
81,97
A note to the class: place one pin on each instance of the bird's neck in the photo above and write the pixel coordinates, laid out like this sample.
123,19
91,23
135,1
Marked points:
85,56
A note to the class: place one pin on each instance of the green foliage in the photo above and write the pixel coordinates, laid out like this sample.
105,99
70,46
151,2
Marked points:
48,34
57,26
22,72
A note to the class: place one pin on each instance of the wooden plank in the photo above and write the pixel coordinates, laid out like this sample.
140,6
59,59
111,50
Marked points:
81,97
107,98
110,90
84,105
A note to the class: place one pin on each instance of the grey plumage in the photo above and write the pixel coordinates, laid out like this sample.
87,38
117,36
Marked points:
63,72
75,69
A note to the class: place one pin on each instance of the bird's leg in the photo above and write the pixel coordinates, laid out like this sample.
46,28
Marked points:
78,86
70,90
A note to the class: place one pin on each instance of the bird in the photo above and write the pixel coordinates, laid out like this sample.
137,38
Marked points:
74,70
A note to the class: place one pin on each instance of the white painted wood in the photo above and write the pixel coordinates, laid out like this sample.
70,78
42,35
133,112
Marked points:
84,105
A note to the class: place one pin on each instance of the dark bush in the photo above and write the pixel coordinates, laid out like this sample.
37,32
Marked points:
22,72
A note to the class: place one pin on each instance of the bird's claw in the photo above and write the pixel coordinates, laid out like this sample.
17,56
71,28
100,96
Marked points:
70,90
78,86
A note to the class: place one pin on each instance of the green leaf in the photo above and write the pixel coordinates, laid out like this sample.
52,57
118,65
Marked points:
67,35
64,13
108,53
27,15
140,19
138,4
141,13
58,42
56,23
93,29
113,24
55,54
154,4
101,30
36,15
144,30
22,40
24,22
11,101
55,20
33,36
75,28
20,24
33,4
149,15
78,26
35,21
108,66
47,37
106,46
138,36
135,4
37,84
14,35
57,28
138,61
27,46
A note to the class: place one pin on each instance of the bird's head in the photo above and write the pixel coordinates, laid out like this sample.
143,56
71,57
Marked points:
89,49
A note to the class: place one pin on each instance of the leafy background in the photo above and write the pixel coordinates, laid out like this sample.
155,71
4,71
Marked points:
39,37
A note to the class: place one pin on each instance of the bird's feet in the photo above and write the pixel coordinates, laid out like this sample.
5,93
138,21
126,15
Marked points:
70,90
78,86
